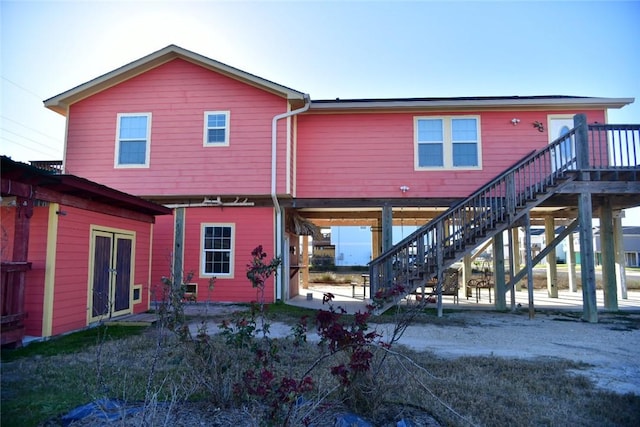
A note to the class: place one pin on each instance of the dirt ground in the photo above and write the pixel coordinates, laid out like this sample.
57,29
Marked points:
610,346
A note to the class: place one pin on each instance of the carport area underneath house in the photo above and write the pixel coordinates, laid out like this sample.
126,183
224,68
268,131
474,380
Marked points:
569,301
556,213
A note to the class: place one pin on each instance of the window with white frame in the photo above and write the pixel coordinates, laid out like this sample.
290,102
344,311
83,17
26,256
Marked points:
133,140
216,128
447,142
217,250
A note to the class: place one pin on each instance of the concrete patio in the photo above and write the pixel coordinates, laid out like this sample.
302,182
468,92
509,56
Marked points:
567,300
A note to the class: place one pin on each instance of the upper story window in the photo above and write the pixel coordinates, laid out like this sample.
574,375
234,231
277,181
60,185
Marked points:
447,142
217,250
216,128
133,140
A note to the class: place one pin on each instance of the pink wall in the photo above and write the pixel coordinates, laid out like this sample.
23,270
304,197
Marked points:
372,155
162,254
34,290
253,227
177,94
72,264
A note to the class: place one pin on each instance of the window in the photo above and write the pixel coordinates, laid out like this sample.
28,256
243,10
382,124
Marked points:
217,250
447,142
133,140
216,128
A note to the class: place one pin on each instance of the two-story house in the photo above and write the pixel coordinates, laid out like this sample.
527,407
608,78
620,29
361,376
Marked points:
236,155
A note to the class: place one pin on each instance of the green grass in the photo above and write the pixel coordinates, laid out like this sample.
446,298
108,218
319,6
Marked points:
72,343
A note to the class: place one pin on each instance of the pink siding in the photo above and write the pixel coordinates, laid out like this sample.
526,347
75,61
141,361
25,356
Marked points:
253,227
162,253
372,155
177,94
72,264
34,290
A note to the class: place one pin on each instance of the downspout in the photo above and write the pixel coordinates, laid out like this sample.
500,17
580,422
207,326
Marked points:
274,196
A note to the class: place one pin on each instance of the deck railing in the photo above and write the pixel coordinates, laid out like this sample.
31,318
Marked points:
428,251
614,147
54,166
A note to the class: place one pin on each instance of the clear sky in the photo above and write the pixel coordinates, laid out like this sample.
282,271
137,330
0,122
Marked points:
328,49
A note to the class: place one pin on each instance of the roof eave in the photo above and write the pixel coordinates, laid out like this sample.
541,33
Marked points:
61,102
475,104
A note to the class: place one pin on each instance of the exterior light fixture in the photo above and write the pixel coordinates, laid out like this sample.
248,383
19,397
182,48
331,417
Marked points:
404,188
538,126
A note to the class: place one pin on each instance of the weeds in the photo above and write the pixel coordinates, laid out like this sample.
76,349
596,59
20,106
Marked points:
251,377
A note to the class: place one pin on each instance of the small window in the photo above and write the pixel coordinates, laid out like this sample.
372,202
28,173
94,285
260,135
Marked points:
137,294
447,142
133,140
217,250
216,128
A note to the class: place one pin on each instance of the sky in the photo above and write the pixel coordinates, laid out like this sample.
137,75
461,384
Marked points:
329,49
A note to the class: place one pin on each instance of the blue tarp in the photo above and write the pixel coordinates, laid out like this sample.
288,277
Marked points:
105,409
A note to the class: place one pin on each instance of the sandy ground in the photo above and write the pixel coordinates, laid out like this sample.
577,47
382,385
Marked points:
610,347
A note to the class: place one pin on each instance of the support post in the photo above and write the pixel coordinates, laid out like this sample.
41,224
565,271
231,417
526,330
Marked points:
178,247
466,274
305,262
515,253
376,237
387,238
387,227
440,261
498,268
511,269
552,267
571,264
621,275
585,210
529,263
607,248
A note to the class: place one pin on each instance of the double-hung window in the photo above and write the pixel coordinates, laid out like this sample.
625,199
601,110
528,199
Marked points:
216,128
217,250
133,140
449,142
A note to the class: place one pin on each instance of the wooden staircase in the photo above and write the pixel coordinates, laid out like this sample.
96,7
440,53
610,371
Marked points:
495,207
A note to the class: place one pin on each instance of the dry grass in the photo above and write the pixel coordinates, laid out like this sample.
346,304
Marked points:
411,385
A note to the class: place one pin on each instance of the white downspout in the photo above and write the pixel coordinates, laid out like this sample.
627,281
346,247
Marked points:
276,205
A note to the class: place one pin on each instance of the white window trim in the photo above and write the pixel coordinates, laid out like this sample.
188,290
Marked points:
148,149
447,149
227,115
231,255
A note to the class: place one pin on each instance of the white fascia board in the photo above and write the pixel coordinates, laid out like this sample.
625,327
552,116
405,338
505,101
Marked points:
472,104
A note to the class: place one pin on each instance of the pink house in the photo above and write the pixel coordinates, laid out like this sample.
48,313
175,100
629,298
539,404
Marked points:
238,157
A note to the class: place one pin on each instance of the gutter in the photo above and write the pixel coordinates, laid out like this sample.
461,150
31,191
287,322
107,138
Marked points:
274,196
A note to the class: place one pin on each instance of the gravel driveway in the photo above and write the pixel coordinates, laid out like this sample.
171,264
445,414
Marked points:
610,346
